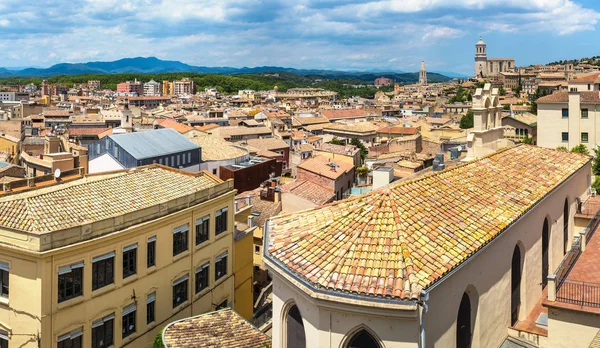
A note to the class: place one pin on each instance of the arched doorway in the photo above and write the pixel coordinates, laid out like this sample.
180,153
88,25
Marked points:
296,337
464,335
545,256
565,227
363,339
515,284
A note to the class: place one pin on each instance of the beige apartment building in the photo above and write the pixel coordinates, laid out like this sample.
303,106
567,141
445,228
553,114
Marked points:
184,86
458,258
569,118
108,260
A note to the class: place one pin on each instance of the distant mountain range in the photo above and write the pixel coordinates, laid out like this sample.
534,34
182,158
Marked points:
153,65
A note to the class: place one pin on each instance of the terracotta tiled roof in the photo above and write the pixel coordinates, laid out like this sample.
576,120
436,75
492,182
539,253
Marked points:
266,208
395,241
207,127
398,130
219,329
311,120
358,127
268,144
228,132
348,113
276,114
96,198
563,97
321,165
106,133
171,123
215,148
310,191
347,150
86,131
55,113
591,78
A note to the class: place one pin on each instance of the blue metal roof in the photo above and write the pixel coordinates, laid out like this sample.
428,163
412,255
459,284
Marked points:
153,143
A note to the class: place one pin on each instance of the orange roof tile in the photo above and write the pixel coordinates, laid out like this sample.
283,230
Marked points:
398,130
563,97
321,165
400,239
171,123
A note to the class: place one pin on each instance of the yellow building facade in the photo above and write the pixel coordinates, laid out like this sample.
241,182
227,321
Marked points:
109,260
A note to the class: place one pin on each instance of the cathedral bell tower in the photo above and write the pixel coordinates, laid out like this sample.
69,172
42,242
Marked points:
480,59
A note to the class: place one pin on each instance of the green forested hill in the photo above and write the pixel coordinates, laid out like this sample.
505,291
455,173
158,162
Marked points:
345,84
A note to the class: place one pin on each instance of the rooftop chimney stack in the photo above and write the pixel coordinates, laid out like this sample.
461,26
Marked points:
438,163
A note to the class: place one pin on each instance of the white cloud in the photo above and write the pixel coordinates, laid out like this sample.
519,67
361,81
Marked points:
302,33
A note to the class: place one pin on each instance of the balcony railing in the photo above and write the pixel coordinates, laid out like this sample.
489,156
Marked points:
574,291
579,293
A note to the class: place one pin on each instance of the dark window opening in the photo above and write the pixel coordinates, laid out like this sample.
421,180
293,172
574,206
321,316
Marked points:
151,252
221,266
515,302
180,290
463,323
70,282
202,226
103,271
128,327
102,332
129,261
221,221
296,338
202,277
180,239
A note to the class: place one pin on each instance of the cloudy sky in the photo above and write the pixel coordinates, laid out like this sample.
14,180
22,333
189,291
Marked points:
336,34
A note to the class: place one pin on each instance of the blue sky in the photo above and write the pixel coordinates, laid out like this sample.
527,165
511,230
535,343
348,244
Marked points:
332,34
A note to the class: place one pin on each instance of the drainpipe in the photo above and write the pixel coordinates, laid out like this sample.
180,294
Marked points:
423,303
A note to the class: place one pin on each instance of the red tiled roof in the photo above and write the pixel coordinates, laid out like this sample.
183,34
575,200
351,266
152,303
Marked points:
563,97
398,130
321,165
86,131
591,78
310,191
347,113
397,240
171,123
207,127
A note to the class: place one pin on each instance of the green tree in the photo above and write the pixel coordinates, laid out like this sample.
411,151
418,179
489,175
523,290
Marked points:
528,141
596,162
363,150
337,141
596,184
502,91
562,148
582,149
506,107
534,97
466,121
158,341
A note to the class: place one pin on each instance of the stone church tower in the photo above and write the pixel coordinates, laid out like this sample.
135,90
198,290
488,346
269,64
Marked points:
480,59
423,74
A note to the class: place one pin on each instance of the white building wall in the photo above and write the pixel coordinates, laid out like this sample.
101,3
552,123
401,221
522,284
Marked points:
551,125
329,326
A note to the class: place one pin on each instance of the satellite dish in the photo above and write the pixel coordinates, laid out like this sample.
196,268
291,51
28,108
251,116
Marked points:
57,173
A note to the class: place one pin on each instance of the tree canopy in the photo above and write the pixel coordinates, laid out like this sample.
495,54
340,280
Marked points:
466,121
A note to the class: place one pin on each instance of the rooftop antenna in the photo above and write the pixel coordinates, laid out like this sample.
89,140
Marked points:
57,174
